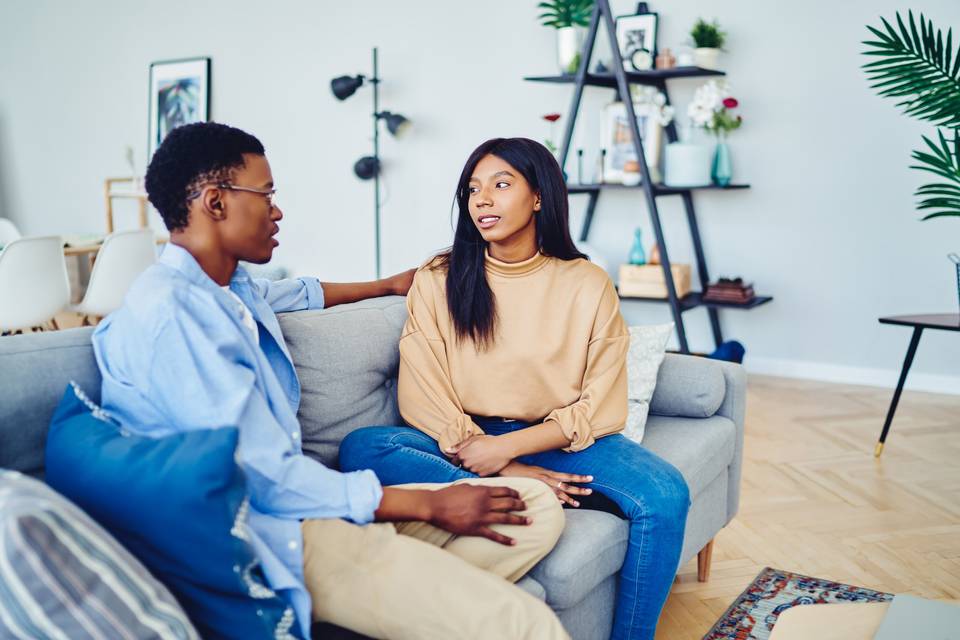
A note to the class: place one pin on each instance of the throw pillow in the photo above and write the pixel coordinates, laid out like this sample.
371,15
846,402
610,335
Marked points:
647,347
179,503
63,576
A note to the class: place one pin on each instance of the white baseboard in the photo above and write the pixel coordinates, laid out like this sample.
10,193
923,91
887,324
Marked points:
852,375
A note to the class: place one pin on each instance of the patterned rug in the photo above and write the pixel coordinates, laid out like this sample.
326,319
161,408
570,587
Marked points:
755,611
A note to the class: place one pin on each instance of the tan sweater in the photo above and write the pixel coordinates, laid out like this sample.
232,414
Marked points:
559,353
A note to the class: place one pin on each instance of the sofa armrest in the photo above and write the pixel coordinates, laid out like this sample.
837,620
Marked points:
695,387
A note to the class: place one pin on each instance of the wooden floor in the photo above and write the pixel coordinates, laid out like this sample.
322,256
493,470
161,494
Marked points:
815,501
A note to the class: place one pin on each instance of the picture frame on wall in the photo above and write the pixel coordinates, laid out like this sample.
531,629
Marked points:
179,94
637,40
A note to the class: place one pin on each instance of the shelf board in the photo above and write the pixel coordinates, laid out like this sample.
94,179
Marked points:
694,299
658,189
652,76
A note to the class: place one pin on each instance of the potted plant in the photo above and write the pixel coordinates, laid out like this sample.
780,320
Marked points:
712,108
708,40
568,17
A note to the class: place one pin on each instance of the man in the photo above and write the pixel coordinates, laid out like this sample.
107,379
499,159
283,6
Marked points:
197,345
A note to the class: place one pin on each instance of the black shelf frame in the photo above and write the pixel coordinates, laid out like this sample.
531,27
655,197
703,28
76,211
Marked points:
620,80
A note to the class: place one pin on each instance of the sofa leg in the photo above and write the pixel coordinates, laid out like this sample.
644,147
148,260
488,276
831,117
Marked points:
703,562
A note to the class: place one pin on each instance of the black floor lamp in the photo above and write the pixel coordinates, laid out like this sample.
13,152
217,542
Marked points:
368,167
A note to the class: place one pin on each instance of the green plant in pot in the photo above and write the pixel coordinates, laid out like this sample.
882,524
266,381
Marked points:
568,17
708,41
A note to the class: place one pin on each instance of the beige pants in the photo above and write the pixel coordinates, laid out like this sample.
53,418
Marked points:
413,580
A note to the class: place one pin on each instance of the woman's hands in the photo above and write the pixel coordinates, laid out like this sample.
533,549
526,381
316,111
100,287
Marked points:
482,454
559,482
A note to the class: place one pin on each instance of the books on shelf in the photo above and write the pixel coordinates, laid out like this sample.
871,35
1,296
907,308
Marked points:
734,291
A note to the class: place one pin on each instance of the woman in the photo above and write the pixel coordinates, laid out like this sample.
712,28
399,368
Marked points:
513,363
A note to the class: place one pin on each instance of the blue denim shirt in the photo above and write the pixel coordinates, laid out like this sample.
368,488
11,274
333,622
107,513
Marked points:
176,356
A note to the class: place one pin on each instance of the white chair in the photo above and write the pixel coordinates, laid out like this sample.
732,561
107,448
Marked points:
8,232
33,283
123,256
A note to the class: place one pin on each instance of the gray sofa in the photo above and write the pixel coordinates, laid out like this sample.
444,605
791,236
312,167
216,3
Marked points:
347,360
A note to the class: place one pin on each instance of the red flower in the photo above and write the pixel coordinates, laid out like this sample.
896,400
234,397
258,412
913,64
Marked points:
552,117
730,103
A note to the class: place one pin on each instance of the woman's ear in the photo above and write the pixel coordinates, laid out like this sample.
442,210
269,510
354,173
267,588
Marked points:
536,203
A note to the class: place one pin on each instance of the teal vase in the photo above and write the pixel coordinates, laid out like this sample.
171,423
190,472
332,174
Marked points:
637,254
722,171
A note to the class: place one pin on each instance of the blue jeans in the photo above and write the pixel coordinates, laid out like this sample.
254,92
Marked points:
627,479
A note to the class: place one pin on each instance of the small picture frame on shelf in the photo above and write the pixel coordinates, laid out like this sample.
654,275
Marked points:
179,94
617,140
637,40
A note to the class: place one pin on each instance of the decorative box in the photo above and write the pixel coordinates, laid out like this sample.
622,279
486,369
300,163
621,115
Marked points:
647,281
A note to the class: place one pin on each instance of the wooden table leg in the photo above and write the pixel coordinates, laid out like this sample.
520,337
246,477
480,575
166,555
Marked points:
911,351
703,562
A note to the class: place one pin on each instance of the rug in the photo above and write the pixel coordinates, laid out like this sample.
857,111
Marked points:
755,611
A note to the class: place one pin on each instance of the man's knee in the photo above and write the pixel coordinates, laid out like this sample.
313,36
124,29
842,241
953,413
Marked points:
543,508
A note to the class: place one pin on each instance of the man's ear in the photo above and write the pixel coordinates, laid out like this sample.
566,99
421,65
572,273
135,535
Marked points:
213,204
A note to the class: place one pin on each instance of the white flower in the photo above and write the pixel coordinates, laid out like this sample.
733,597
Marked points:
707,100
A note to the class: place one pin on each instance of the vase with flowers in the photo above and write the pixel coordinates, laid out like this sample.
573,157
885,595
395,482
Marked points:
712,109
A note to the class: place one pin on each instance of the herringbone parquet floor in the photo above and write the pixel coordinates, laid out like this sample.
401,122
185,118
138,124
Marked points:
814,499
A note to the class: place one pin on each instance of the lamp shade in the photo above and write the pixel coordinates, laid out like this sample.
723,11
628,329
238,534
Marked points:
366,167
397,124
344,86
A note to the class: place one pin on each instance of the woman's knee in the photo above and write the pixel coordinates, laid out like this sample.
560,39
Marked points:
360,445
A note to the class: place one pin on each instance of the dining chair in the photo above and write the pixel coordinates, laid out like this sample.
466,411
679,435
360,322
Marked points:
33,283
123,256
8,232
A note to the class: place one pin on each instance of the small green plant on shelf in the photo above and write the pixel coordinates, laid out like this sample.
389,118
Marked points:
707,35
566,13
919,67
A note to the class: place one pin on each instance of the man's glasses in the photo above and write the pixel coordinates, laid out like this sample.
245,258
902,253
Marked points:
269,194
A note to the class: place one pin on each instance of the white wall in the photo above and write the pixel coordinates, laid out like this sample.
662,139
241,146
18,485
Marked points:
828,227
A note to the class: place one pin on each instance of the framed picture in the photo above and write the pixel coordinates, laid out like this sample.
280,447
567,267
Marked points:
637,38
179,94
618,142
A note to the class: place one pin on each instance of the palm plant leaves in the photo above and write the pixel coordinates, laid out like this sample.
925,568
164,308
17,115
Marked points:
918,66
566,13
941,199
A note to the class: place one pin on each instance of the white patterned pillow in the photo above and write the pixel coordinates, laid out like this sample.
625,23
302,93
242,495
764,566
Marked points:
647,347
63,576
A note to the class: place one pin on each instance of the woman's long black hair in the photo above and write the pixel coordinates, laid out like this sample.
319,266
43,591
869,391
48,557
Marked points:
469,299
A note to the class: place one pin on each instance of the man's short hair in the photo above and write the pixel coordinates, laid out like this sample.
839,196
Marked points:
189,156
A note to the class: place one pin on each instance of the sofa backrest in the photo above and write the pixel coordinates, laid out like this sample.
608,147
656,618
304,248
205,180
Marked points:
346,357
35,368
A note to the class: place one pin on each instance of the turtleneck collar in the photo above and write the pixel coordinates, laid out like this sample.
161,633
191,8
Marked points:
516,269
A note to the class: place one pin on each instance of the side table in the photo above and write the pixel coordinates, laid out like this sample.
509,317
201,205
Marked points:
942,321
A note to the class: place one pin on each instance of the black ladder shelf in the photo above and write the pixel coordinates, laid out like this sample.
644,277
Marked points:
620,80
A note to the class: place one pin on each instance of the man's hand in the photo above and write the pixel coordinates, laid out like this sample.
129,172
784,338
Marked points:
400,283
483,455
559,482
469,510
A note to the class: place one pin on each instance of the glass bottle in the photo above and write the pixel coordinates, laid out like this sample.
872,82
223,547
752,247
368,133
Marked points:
637,254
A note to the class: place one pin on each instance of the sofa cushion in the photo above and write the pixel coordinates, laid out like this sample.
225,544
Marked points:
179,503
700,448
590,549
688,386
35,368
347,359
62,575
